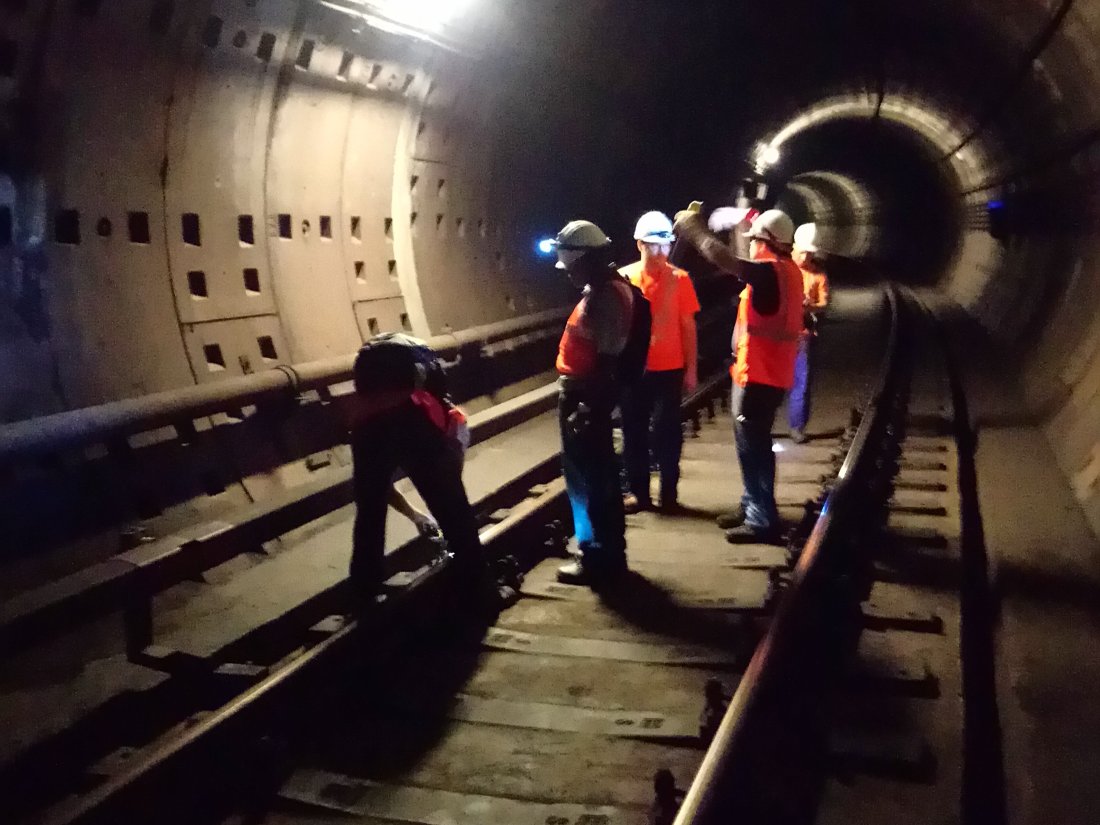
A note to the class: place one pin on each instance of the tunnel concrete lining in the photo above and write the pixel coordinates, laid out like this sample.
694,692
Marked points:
209,189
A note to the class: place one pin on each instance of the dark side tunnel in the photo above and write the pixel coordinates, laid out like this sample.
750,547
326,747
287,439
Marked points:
195,191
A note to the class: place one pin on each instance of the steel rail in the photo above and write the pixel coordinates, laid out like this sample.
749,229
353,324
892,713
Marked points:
734,750
118,419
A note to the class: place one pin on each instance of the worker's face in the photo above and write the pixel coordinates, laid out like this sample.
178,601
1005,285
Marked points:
654,252
578,270
757,249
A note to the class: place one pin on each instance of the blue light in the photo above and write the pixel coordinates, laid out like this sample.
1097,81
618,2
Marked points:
996,204
546,246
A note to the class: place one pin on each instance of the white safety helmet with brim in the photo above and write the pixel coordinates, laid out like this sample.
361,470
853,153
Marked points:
773,225
654,227
577,239
805,238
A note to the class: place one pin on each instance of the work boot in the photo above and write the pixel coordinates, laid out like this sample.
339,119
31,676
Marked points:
744,534
799,436
633,504
734,518
669,506
577,572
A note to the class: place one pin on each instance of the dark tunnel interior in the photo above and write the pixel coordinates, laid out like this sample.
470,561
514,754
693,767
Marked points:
299,175
198,195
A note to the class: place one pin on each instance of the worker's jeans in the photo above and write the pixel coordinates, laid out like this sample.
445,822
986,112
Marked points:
798,404
754,407
592,474
405,438
655,396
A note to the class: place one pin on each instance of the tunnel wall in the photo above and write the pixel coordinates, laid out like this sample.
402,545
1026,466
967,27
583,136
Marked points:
207,189
1034,287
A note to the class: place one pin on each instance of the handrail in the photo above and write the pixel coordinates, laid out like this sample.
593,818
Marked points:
104,422
732,751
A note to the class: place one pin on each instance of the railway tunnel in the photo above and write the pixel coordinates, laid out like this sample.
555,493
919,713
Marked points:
212,194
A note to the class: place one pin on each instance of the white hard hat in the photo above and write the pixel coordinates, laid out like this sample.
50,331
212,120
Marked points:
653,227
773,225
805,238
577,238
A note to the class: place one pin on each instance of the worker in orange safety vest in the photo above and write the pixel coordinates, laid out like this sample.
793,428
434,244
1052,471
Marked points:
769,324
815,297
670,370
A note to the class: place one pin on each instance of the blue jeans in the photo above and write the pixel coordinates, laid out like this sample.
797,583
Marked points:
656,396
754,407
798,405
592,475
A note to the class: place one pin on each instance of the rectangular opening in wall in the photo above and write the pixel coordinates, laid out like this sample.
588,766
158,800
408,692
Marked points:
192,234
66,226
405,323
266,47
160,16
391,266
215,361
482,228
375,70
359,272
413,181
246,230
9,57
138,225
441,188
356,228
6,228
372,326
439,223
196,284
409,78
345,65
285,230
252,281
305,54
267,348
460,227
326,226
212,31
387,227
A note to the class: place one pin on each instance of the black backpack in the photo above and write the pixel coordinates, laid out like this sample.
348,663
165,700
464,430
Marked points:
633,358
396,361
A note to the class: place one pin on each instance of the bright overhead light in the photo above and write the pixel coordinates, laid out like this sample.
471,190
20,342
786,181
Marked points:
547,246
425,15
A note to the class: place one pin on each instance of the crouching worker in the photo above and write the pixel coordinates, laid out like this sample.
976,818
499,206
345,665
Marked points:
404,420
594,351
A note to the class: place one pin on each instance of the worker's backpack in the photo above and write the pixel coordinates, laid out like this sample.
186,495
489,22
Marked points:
632,359
396,361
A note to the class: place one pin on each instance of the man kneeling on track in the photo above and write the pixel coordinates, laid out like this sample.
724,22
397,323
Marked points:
404,420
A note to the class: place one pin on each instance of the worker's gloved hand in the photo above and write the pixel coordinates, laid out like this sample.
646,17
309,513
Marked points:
580,419
426,525
727,217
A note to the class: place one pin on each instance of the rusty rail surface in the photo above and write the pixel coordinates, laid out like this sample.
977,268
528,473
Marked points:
767,722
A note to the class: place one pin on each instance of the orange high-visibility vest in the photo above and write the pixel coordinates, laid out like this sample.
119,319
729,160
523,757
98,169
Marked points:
577,354
768,344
